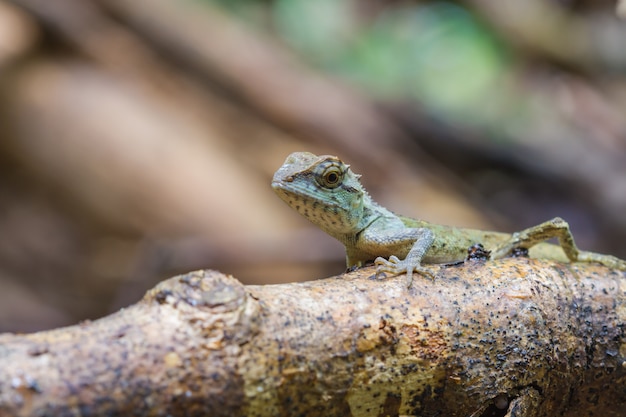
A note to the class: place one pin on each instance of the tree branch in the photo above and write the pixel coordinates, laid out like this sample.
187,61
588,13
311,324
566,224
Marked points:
514,337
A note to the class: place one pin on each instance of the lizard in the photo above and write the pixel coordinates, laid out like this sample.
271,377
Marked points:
328,193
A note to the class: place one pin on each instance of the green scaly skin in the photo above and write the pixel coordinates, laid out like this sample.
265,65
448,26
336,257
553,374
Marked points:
324,190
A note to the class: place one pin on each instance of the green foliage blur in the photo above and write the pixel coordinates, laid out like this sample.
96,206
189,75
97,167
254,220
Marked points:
436,54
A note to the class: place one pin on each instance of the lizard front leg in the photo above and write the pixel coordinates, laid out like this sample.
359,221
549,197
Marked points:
555,228
413,242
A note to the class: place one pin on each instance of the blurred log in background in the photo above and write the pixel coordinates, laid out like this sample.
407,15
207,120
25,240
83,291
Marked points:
138,138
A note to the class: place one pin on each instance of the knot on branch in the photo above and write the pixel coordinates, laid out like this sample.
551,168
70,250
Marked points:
215,304
204,289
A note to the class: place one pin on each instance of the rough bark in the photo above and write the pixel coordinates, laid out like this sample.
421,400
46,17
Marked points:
515,337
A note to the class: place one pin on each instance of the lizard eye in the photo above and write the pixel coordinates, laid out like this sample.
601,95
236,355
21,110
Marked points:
332,177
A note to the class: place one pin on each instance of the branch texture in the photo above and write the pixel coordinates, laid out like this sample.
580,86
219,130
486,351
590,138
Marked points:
515,337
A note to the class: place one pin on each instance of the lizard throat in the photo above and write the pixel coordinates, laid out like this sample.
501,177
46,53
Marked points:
332,217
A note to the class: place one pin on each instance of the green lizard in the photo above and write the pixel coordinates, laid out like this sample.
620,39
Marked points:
326,191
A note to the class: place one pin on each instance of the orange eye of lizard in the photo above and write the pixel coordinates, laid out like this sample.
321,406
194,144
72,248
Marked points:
332,177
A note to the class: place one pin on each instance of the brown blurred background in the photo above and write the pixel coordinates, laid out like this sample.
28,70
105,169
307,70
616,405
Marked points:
138,138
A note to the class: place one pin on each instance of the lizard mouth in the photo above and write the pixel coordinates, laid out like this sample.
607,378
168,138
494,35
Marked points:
282,190
300,199
279,187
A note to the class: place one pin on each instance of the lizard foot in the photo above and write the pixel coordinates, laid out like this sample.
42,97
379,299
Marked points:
396,266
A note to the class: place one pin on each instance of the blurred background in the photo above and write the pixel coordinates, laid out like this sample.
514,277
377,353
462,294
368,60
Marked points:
138,138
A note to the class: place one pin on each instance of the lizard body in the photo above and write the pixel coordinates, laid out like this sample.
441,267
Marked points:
326,191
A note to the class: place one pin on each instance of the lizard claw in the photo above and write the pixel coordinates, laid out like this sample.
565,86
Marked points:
391,266
395,266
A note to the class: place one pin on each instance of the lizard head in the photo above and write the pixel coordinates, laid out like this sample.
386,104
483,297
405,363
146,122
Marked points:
323,189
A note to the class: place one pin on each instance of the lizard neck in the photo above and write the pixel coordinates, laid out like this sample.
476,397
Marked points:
370,212
345,220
